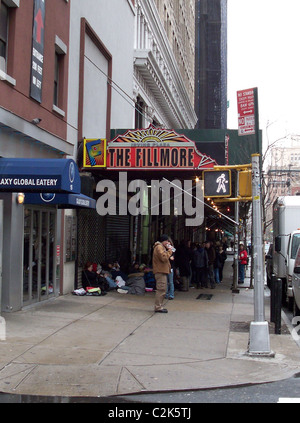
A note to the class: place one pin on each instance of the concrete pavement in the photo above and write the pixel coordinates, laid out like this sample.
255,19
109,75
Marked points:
116,345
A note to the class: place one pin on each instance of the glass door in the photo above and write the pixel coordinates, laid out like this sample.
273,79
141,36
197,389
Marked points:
39,265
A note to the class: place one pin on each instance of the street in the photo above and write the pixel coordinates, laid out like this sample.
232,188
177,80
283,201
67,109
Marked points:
282,391
258,394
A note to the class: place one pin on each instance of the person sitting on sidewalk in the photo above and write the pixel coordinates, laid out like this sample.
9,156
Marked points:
135,283
149,278
90,278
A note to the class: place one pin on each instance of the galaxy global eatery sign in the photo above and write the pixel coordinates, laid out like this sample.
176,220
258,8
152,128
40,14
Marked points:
39,175
147,149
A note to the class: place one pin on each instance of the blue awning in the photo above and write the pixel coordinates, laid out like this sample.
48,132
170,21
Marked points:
62,201
39,175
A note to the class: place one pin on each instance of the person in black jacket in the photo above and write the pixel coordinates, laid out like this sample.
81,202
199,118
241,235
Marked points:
223,257
211,253
218,265
200,264
182,261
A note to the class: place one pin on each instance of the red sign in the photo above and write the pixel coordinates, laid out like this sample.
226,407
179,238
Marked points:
154,148
39,26
246,112
37,62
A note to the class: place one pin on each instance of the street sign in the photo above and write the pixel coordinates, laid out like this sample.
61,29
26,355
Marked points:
217,183
246,112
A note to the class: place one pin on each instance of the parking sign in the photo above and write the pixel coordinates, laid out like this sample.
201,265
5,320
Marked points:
246,112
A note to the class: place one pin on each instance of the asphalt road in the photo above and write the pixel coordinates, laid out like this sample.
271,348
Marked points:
283,391
286,390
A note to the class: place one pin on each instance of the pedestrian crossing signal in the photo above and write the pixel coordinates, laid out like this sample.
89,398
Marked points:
217,183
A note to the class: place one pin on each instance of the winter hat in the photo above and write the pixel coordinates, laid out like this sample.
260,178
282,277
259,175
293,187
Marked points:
164,238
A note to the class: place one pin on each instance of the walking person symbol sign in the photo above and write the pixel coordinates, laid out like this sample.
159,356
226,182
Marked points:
217,183
221,181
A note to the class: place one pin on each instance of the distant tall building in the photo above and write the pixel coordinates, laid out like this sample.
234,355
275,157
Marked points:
211,64
164,63
178,19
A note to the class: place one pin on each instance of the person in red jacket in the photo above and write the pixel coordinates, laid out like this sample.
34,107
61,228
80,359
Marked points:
243,261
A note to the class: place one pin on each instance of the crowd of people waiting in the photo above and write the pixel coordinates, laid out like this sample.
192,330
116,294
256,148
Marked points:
192,265
201,265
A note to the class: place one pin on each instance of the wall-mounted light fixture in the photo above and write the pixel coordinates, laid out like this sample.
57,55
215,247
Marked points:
20,198
36,121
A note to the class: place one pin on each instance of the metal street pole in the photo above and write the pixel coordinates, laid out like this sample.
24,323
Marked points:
259,343
259,312
236,240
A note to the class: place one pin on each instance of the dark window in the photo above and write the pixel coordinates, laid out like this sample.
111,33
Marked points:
139,113
3,35
56,80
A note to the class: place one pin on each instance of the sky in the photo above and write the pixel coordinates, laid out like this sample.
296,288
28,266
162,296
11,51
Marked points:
264,52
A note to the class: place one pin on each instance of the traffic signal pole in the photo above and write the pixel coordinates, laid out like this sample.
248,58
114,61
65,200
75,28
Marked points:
259,342
236,240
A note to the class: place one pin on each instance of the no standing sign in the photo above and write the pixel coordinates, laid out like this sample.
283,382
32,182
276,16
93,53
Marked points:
246,111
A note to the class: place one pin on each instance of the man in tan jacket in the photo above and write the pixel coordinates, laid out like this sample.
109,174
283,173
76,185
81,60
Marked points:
161,268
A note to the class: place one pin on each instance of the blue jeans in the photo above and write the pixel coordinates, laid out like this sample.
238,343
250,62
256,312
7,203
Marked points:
111,282
217,275
241,272
170,290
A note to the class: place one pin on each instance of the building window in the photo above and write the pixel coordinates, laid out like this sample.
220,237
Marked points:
3,35
60,54
7,29
139,114
56,80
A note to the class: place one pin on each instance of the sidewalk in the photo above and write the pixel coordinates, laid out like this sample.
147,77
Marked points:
115,345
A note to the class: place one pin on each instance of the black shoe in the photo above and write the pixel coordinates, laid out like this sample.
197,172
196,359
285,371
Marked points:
163,310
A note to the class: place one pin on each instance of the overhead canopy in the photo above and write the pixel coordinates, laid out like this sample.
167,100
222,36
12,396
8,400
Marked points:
39,175
63,201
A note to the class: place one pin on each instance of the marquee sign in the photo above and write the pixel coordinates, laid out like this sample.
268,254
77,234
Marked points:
155,149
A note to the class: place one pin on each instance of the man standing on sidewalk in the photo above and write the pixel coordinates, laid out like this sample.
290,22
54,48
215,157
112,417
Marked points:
161,268
211,254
